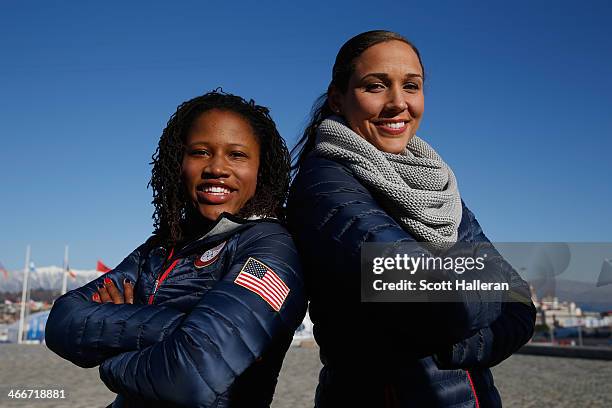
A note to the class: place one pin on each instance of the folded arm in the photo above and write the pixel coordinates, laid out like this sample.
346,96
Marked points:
510,331
222,336
332,216
86,333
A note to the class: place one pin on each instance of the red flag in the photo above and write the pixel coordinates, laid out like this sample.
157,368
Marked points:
70,272
4,271
100,267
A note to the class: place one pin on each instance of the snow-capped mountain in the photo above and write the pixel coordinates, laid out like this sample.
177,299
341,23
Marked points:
46,277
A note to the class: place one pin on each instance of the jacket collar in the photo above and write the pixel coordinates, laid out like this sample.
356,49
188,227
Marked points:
224,227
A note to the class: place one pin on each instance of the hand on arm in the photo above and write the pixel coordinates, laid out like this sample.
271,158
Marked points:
86,332
108,292
221,337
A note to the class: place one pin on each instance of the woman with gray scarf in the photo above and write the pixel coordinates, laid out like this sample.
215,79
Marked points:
365,177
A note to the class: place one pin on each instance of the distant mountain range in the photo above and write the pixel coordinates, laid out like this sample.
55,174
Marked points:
46,278
587,296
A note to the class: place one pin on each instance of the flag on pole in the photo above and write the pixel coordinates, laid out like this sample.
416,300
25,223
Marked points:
100,267
70,272
4,271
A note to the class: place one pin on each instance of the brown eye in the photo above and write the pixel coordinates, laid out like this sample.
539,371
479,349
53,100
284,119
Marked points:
375,87
238,154
412,86
199,152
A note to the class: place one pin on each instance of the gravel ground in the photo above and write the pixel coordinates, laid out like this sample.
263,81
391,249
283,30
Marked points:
523,381
536,381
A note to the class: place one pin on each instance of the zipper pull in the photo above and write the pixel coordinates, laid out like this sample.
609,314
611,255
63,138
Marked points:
152,296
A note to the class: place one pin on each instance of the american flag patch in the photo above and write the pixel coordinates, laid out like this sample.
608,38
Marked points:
259,278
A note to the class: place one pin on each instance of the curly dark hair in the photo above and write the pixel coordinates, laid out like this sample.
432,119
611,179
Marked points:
169,196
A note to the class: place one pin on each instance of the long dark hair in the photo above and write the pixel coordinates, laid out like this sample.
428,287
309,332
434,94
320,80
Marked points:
169,196
343,69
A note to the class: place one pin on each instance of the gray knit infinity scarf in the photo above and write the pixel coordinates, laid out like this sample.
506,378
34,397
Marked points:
416,188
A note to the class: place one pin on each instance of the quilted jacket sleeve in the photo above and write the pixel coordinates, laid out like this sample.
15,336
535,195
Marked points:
86,333
222,336
511,330
331,216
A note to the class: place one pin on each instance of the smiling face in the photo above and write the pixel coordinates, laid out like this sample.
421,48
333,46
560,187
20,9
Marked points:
384,99
220,163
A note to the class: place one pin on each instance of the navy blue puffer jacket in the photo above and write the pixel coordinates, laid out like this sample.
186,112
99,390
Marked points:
393,354
193,337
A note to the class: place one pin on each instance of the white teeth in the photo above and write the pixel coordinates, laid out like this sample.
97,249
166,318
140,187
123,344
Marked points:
216,190
396,125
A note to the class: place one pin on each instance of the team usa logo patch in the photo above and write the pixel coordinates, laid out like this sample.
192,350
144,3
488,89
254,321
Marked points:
209,256
259,278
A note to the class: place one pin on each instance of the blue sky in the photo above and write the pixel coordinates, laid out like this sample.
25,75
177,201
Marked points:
518,100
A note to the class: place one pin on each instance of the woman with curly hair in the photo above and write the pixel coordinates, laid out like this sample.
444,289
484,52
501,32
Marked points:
204,311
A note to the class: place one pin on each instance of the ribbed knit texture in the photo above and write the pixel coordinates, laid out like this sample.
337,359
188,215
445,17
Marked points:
417,188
